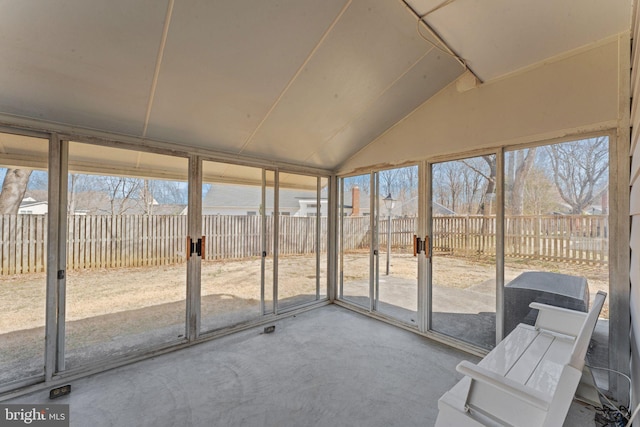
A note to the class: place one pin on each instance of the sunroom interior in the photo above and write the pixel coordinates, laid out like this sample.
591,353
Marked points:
180,173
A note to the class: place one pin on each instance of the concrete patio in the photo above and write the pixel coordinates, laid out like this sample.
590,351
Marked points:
324,367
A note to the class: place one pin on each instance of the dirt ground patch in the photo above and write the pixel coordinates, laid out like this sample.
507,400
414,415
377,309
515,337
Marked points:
93,293
106,308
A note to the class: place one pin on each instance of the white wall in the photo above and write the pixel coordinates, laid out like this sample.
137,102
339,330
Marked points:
574,93
35,209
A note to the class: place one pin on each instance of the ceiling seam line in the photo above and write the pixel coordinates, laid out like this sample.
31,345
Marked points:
156,72
422,21
295,76
414,111
385,90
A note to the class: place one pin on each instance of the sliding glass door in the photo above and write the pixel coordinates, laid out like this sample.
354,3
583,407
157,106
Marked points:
357,248
557,233
397,198
378,221
232,225
23,256
302,239
265,236
126,231
463,240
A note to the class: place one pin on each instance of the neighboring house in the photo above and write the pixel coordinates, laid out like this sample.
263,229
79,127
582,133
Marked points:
235,199
355,202
31,206
97,203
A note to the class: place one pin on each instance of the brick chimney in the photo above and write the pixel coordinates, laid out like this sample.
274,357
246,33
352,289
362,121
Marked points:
355,201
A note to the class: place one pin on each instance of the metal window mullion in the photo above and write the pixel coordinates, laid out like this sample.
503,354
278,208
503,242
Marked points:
53,214
276,237
62,254
194,264
423,229
318,232
333,238
425,276
341,237
374,254
500,246
263,218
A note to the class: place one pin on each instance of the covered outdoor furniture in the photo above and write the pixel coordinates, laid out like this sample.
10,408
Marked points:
560,290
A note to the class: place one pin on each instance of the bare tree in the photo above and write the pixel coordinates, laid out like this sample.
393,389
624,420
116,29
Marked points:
360,181
523,162
14,186
540,195
173,192
459,185
72,191
121,192
408,194
390,182
473,183
38,180
519,165
147,197
580,170
402,185
450,184
487,170
85,193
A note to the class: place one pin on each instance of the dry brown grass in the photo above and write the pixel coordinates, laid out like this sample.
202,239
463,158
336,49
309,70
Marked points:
92,293
104,306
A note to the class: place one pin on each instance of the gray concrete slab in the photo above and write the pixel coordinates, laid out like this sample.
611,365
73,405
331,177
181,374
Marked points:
325,367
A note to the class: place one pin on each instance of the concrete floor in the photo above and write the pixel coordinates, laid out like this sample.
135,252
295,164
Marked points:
325,367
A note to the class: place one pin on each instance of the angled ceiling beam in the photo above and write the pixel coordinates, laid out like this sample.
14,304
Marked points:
452,52
156,72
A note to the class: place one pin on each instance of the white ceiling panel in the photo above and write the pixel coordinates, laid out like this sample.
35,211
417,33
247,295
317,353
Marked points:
428,76
226,63
372,46
87,63
497,37
306,82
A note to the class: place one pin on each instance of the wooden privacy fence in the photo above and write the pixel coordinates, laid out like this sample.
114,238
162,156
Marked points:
103,241
565,238
24,239
356,232
99,241
241,236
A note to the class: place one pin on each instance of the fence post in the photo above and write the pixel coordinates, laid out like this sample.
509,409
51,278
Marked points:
466,249
536,237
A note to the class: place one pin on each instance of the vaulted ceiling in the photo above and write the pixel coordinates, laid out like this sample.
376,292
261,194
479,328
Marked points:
302,81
